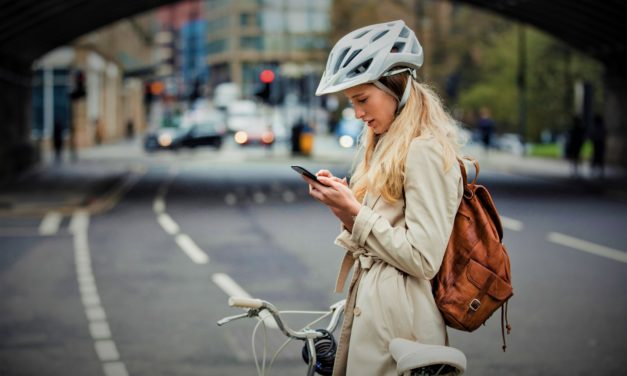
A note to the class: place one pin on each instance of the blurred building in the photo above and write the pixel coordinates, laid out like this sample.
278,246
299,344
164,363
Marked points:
247,36
181,49
83,86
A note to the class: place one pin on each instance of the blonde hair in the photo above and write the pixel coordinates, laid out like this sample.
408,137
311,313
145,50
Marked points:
423,116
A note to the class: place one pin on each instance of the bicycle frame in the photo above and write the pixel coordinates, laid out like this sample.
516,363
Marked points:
255,307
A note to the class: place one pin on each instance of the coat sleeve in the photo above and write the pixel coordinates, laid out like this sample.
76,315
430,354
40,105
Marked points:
432,198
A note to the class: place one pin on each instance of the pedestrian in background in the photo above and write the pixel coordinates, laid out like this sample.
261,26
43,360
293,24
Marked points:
576,138
57,140
486,127
397,214
597,136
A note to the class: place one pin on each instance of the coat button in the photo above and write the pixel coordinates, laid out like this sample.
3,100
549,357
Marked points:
357,311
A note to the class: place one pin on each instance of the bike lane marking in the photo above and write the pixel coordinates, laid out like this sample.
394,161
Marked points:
586,246
98,326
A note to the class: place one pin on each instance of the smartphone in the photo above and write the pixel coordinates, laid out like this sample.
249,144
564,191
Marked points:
304,171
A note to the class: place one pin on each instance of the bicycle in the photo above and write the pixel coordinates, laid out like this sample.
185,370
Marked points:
412,358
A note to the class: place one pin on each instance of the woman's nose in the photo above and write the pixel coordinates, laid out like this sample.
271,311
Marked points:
359,113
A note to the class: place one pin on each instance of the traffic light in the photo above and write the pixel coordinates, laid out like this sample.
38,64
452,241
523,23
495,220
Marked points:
265,91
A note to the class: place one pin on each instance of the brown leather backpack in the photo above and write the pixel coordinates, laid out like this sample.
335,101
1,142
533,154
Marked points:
474,279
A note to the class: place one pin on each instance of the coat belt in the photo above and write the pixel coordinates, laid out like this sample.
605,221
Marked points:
353,258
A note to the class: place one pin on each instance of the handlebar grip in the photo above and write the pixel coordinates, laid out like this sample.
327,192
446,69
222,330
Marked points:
245,302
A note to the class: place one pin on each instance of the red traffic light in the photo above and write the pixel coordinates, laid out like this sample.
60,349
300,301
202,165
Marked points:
266,76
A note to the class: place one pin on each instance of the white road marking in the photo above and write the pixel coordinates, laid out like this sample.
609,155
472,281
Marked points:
114,369
50,223
511,224
99,330
98,325
168,224
90,299
106,350
585,246
95,313
158,205
79,221
191,249
232,289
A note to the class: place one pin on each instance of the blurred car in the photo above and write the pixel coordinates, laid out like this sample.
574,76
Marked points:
164,139
349,129
256,132
198,127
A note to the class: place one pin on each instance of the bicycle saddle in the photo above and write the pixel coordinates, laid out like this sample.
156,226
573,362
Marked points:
410,355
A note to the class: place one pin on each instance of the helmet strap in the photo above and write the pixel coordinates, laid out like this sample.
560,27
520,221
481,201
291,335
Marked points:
403,100
405,96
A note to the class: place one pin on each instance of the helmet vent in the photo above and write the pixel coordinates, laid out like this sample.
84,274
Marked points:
398,47
415,48
339,60
351,57
404,33
378,36
361,34
360,69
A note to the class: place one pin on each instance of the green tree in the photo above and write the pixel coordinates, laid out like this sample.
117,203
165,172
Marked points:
552,70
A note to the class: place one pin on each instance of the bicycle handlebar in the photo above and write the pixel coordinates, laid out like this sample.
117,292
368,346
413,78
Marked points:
245,302
256,307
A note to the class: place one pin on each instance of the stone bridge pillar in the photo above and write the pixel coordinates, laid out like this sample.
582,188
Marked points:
17,151
616,115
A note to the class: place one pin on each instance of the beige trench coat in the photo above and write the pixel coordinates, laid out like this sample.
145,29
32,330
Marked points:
395,250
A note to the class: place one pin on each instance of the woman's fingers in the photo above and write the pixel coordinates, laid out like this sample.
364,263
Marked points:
326,173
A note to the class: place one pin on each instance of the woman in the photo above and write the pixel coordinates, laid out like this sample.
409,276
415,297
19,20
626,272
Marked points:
398,212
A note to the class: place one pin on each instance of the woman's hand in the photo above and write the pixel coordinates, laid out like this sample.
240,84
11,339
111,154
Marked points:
334,192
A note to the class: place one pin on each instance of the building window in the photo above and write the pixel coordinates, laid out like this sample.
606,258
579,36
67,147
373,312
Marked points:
217,46
248,20
250,43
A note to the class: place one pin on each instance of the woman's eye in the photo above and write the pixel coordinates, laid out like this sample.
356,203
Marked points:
362,101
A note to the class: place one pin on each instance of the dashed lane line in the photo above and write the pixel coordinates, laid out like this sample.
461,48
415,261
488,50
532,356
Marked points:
586,246
98,326
191,249
168,223
50,223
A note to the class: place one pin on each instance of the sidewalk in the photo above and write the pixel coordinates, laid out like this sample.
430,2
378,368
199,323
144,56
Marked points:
63,187
614,181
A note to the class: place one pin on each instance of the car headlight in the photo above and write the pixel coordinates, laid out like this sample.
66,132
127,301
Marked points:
165,140
347,141
241,137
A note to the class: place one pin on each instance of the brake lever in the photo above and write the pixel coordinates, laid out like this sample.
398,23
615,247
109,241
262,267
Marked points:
227,320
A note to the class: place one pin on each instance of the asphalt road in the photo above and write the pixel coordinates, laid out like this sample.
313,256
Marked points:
130,288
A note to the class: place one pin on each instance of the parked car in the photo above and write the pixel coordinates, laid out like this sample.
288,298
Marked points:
164,139
198,127
256,132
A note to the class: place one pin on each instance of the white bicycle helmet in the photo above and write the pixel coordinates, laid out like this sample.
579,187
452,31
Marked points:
369,53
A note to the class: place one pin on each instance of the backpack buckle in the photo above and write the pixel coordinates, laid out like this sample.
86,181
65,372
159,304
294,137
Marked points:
474,304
